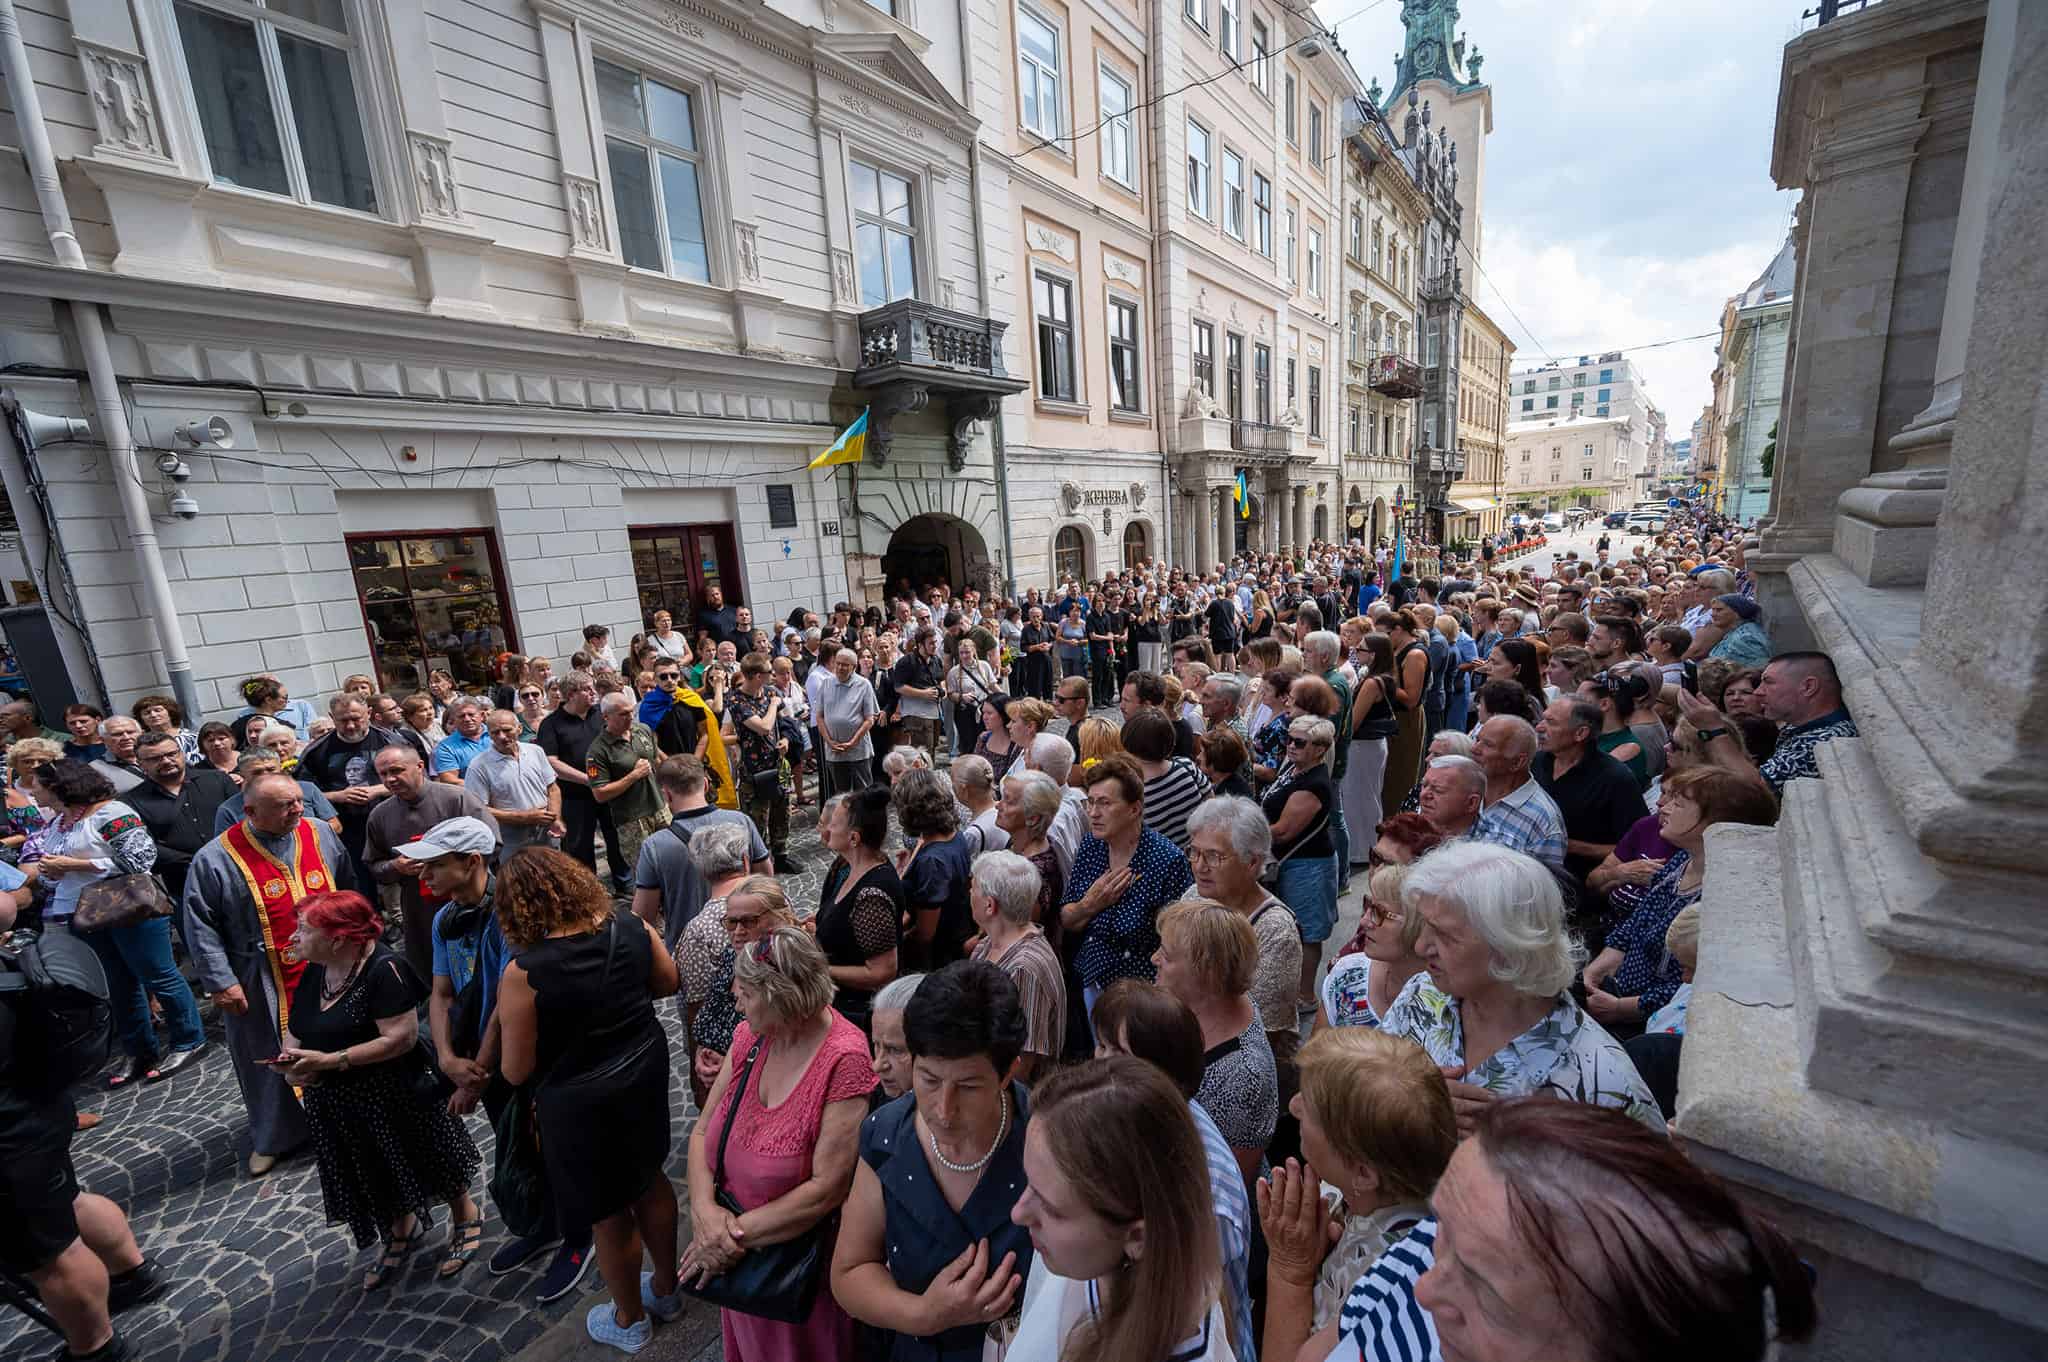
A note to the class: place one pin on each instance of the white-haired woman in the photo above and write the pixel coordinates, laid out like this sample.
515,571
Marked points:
891,1050
1492,1006
1004,895
974,789
1229,842
741,910
1031,803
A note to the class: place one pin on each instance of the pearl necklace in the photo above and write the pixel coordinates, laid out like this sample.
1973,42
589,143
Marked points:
1003,1129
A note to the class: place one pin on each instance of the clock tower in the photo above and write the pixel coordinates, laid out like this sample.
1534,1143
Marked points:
1443,69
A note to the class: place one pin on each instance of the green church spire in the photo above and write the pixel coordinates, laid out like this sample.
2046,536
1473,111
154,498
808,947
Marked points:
1435,49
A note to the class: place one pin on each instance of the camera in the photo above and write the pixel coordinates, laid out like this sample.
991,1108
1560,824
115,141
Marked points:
173,467
184,507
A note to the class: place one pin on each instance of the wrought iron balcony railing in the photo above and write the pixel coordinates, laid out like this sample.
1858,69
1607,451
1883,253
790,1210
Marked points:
1396,376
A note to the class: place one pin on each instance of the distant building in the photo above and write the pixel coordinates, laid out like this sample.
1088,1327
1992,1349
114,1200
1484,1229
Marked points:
1753,353
1571,461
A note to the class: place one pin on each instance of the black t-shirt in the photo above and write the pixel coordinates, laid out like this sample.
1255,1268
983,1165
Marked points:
1222,616
1314,780
388,990
1598,798
567,739
332,763
721,623
1182,624
1110,622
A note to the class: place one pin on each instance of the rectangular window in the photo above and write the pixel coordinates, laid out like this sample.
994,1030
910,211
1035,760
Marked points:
1600,411
1607,375
1315,262
1351,432
1315,402
651,146
1315,135
1357,235
1226,27
1205,357
1053,300
1378,243
1233,375
1578,380
1290,380
1429,344
1198,10
1578,399
1586,474
1124,390
277,100
1262,57
884,235
1528,404
1607,394
1262,382
1528,385
416,621
1262,214
1233,193
1555,381
1293,269
1198,169
1038,73
1589,452
1119,149
1287,99
1550,404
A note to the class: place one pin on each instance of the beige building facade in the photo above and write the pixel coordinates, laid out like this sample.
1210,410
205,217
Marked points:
1482,426
1578,461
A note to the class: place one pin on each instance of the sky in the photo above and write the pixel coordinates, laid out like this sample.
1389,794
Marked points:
1628,187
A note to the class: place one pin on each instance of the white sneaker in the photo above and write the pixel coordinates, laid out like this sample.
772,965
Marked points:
604,1326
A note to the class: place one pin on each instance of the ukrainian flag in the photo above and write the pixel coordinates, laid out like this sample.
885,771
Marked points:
850,447
1244,498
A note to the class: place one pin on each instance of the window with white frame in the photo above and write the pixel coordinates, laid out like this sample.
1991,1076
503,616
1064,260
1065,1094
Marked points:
1198,169
652,149
1233,193
1203,355
1198,10
1351,433
884,234
1315,135
1038,73
1262,214
1378,244
1290,239
1357,235
1125,390
1288,101
1315,402
275,88
1053,301
1118,136
1262,54
1226,27
1315,262
1262,382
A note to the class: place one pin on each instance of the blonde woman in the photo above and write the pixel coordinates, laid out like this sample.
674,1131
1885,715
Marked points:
1099,739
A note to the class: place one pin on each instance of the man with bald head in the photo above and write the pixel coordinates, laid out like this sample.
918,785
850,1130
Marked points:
1515,812
1452,788
241,908
415,804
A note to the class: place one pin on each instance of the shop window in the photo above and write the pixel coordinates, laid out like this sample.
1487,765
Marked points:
674,565
432,602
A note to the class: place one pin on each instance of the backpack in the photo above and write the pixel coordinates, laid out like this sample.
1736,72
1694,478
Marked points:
66,1013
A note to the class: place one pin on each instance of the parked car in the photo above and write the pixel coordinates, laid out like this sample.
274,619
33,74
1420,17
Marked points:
1615,520
1577,515
1554,522
1645,522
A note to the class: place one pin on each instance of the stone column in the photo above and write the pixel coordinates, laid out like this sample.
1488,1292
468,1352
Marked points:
1885,526
1226,526
1298,529
1875,125
1204,518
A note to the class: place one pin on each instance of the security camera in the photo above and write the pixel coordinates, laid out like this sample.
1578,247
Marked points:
183,507
173,467
214,430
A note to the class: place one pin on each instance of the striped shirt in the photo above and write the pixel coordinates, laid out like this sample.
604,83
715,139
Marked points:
1233,1228
1527,820
1171,796
1381,1321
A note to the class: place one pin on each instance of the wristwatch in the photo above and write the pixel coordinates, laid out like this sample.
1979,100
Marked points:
1709,734
344,1060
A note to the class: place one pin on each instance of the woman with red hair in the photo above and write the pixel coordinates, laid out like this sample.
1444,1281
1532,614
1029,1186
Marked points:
386,1149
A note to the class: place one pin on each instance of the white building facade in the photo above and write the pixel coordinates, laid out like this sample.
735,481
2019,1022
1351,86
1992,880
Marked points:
1580,461
525,315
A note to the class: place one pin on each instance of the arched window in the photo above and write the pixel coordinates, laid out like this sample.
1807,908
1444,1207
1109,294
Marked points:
1322,527
1135,551
1069,556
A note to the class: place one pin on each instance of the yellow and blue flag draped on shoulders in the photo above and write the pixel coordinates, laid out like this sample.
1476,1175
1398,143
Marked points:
1244,498
850,447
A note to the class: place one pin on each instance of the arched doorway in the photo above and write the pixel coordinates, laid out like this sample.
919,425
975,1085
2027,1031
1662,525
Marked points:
1322,529
1137,546
927,550
1379,520
1069,556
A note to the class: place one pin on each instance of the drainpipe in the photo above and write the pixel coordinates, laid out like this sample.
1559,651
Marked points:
99,364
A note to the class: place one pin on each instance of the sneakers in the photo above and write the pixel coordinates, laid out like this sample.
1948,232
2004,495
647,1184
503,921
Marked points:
115,1349
517,1253
604,1326
126,1290
663,1308
563,1274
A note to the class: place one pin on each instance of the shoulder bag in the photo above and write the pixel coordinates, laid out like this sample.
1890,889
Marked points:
121,901
1270,876
775,1281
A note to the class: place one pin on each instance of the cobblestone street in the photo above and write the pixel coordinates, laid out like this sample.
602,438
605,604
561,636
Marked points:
255,1270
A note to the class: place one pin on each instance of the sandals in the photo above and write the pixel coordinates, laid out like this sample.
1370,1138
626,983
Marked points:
141,1071
397,1249
465,1237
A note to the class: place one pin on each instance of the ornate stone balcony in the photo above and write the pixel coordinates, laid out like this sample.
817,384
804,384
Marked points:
1396,376
909,350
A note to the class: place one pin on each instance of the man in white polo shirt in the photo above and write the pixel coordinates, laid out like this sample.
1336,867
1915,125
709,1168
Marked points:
515,781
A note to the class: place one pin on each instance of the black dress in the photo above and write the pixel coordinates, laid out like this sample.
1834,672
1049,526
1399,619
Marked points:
855,929
383,1148
602,1069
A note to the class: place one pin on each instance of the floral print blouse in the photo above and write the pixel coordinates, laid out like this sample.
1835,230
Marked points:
1566,1053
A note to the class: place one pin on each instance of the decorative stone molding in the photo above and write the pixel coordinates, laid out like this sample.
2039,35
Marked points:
1123,271
1070,497
843,291
747,251
1139,491
586,213
1042,238
1315,350
434,173
123,107
948,293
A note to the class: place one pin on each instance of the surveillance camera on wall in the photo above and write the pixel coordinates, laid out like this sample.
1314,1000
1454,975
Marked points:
173,467
214,430
184,507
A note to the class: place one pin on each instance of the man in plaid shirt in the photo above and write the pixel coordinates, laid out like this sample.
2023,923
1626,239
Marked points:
1516,812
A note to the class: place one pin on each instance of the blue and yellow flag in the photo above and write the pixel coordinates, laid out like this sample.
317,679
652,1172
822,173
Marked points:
1244,498
850,447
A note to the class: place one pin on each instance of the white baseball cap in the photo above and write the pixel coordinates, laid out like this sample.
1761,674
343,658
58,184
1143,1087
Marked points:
452,837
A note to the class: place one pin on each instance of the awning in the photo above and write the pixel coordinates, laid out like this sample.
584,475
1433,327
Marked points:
1474,503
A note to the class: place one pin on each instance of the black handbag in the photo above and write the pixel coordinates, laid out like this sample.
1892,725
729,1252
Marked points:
774,1281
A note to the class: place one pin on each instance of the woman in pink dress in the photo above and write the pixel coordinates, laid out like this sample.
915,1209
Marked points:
801,1074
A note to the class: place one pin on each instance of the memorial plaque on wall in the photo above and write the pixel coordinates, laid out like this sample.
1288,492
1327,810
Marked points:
781,506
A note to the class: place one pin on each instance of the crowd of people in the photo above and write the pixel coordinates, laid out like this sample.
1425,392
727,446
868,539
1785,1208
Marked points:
1087,854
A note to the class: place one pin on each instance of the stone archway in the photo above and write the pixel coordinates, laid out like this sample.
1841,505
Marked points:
927,550
1137,544
1381,526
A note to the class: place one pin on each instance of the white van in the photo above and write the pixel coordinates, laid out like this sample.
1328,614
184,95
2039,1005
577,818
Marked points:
1553,523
